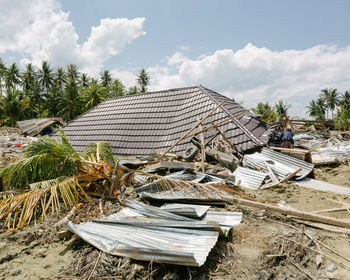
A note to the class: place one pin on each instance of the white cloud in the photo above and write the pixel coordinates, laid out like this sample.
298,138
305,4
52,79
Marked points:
128,78
255,74
39,30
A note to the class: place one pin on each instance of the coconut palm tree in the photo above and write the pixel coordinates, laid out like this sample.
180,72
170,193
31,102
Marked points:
84,80
106,78
46,76
13,77
72,73
143,80
133,90
313,109
345,100
3,70
281,108
60,79
93,95
13,105
70,102
331,98
28,77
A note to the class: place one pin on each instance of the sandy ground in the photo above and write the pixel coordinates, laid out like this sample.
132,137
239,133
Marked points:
37,253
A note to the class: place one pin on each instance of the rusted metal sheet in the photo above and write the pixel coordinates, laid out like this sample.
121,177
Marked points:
35,126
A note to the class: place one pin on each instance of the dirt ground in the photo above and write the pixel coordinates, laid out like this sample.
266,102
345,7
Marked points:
258,248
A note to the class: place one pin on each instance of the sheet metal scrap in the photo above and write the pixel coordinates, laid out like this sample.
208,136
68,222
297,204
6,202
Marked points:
282,165
322,186
149,233
249,178
35,126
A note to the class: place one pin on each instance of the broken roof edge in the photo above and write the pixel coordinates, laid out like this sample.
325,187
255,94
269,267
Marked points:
250,135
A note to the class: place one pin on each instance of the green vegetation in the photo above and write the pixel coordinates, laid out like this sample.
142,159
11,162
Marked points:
46,92
330,100
271,113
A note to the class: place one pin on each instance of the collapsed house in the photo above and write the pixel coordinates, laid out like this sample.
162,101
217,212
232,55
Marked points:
34,127
144,123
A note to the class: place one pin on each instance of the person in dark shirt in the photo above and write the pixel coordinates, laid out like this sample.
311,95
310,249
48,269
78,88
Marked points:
287,139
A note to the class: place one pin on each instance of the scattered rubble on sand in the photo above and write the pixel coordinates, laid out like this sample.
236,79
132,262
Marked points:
208,212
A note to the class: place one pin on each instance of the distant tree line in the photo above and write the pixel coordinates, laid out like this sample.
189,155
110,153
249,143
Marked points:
330,100
47,92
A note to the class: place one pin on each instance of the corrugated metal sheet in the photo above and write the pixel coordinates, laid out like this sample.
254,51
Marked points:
138,232
281,164
322,186
35,126
249,178
139,124
188,210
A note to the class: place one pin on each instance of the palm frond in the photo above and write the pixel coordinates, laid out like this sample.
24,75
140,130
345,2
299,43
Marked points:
19,210
100,151
45,159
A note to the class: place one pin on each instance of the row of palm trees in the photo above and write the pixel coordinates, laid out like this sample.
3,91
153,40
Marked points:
331,100
270,113
46,92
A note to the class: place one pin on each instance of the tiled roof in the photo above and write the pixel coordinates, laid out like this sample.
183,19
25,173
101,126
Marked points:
140,124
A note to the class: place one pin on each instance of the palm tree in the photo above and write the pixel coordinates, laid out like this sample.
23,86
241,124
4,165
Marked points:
116,89
106,78
265,110
3,70
70,102
345,100
72,73
331,98
143,80
313,109
13,105
84,80
281,108
45,76
28,77
60,78
13,76
93,95
321,108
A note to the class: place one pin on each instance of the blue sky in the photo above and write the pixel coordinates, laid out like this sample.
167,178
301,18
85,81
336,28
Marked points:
251,50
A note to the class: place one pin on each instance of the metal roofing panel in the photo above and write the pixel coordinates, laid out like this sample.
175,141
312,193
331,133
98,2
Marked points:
281,164
35,126
322,186
249,178
136,233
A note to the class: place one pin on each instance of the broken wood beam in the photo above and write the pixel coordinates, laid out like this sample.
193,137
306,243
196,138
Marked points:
273,184
202,146
228,142
193,128
219,123
292,212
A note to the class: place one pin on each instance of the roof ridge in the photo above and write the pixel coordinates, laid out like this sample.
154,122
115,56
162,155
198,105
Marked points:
150,92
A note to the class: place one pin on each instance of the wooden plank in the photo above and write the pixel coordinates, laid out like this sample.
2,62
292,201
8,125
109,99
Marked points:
193,128
202,146
270,185
219,123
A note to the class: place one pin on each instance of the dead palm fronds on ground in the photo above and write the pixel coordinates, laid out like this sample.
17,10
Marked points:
52,176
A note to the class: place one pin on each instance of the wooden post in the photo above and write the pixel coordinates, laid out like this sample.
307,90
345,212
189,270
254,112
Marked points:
202,145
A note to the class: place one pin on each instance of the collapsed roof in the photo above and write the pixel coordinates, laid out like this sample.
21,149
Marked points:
35,126
153,121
